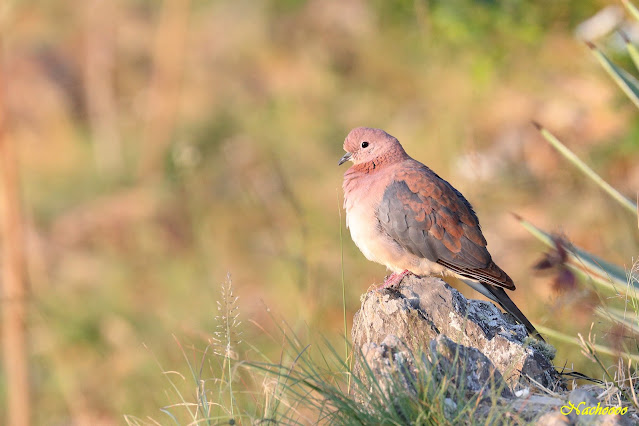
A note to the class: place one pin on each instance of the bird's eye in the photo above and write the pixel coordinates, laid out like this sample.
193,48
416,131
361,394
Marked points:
364,144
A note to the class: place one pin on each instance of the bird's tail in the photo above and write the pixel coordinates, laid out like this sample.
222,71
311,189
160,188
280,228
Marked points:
502,298
498,295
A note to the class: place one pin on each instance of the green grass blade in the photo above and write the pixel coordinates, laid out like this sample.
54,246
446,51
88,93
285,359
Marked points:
626,81
632,49
608,274
632,9
571,339
604,274
341,248
584,168
629,321
634,53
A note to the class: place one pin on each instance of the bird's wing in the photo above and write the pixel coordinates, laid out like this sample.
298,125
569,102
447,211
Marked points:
429,218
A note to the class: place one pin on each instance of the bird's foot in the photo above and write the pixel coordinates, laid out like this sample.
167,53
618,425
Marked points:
393,279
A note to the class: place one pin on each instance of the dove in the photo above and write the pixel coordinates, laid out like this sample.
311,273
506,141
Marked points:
401,214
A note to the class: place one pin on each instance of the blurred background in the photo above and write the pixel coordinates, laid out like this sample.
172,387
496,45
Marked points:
164,144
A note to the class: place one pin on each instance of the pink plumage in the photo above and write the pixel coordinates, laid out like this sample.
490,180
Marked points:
403,215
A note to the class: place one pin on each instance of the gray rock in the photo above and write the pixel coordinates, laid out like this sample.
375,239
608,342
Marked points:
475,374
584,398
554,418
426,325
403,322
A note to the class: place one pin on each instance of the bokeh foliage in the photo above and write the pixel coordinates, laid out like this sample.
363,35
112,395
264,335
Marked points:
229,118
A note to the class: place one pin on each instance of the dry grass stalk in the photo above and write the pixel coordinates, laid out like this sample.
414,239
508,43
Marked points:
100,96
164,87
14,307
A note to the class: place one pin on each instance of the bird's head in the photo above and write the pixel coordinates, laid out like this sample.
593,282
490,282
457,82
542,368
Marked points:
367,145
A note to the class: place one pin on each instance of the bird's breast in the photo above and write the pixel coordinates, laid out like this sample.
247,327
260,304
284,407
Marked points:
361,205
362,195
362,224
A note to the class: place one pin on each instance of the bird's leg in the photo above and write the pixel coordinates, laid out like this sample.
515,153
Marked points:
394,279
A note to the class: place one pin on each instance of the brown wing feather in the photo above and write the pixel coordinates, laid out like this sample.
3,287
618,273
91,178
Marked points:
431,219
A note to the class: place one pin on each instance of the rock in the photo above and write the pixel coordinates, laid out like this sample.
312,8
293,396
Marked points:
426,332
476,373
450,407
391,363
554,418
580,402
402,323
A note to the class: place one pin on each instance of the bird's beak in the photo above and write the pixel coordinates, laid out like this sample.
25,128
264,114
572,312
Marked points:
345,158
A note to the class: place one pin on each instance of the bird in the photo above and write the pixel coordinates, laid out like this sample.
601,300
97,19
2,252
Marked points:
401,214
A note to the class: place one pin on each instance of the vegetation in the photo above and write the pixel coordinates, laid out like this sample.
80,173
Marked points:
616,288
312,383
165,144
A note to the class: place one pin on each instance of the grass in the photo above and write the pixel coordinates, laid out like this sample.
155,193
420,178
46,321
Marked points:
317,386
119,261
312,384
341,253
609,282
